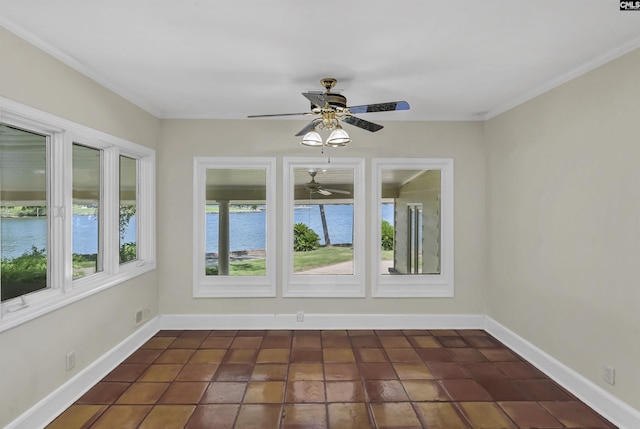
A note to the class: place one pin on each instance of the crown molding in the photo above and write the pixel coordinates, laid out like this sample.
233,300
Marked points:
563,78
77,65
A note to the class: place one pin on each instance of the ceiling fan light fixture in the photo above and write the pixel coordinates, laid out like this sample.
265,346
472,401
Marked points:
338,138
330,108
312,138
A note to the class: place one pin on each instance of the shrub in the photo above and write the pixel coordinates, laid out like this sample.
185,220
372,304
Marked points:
24,274
387,236
304,238
128,252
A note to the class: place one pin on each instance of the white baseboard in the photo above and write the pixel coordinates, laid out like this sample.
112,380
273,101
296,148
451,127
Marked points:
42,413
322,321
618,412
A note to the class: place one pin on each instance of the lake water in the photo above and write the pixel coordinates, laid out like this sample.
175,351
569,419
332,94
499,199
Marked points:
20,234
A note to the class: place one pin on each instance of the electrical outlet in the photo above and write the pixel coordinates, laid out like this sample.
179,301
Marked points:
610,374
71,360
300,316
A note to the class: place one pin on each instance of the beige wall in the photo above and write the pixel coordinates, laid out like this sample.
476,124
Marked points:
184,139
564,223
32,355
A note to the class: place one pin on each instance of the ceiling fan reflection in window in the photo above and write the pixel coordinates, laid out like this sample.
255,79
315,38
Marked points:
318,188
331,110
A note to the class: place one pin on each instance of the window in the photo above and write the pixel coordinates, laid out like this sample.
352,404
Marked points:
128,203
24,204
413,227
87,207
324,227
59,201
234,227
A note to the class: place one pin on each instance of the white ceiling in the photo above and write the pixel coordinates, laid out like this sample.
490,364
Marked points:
451,60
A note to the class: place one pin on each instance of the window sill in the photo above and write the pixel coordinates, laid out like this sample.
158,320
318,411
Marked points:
413,286
325,286
234,287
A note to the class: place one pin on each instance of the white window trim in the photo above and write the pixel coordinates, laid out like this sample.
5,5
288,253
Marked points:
63,290
324,286
414,285
232,286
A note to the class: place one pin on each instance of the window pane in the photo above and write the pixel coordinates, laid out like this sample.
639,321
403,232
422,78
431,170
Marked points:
128,205
23,201
87,245
323,221
236,213
410,234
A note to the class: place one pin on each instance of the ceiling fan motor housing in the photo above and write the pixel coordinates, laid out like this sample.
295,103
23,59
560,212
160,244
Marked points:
336,100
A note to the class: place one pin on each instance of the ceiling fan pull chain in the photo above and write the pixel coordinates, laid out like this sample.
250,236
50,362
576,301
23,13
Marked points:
328,155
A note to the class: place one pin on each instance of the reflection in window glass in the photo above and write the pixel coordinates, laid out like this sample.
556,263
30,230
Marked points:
387,235
87,245
128,205
323,221
414,239
236,222
23,203
410,230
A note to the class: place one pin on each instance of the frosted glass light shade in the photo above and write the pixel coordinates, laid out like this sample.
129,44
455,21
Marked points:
312,138
338,137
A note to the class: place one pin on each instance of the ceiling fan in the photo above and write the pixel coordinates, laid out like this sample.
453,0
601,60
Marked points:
331,109
316,187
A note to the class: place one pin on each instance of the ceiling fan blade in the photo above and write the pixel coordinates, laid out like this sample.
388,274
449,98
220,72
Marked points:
361,123
324,192
279,114
380,107
337,191
305,130
316,98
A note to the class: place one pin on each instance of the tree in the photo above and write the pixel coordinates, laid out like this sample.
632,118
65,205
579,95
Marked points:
325,229
126,213
128,251
387,235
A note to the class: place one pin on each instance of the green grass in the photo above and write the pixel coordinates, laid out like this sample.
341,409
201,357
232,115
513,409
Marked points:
321,257
234,209
79,210
256,267
302,261
83,266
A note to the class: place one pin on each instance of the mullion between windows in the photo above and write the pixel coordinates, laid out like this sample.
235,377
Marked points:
110,212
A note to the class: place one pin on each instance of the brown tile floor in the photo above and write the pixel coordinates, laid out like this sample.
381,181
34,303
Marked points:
326,379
